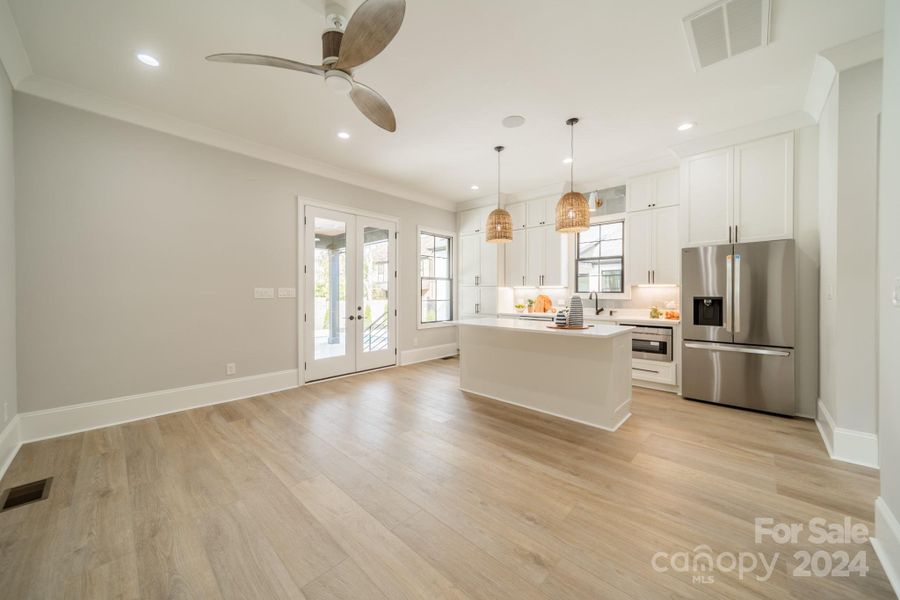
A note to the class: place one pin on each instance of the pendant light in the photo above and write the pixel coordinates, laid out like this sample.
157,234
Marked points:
499,222
572,211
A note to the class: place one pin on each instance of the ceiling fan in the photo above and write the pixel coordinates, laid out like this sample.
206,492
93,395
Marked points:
345,46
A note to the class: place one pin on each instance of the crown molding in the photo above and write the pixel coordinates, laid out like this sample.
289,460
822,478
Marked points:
753,131
12,50
63,93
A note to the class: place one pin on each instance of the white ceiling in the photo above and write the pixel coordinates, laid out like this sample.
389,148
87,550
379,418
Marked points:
454,70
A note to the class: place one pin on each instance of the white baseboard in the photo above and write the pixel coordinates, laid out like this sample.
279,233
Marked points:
10,442
417,355
847,445
54,422
887,542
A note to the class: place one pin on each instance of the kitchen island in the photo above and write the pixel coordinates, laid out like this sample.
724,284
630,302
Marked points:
580,375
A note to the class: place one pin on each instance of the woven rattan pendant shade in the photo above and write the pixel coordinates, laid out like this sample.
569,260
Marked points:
499,222
499,226
572,211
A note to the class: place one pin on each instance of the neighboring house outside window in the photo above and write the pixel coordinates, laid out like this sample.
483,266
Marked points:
600,259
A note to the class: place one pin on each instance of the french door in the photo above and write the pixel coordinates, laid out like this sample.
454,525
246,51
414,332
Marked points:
350,293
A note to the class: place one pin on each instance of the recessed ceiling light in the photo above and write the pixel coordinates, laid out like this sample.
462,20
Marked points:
474,188
148,60
343,135
567,160
513,121
685,126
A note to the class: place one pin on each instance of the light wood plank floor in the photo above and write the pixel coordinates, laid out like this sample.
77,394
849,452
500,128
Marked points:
394,485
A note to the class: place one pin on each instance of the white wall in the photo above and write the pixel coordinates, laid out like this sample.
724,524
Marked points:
8,405
139,251
888,508
848,158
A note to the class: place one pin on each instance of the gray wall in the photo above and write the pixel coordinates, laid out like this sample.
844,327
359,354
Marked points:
848,184
8,406
139,251
889,273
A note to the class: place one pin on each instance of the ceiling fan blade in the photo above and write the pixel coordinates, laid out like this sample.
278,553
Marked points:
370,30
373,106
266,61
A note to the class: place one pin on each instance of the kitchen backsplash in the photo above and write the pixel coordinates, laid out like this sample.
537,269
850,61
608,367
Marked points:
641,297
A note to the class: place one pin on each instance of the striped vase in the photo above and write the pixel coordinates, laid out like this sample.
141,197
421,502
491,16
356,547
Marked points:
576,312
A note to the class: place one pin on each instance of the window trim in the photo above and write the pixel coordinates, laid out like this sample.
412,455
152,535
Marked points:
625,294
452,237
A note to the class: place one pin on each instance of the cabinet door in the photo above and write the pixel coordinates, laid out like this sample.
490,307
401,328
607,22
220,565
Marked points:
764,189
468,298
518,213
489,255
467,221
667,188
535,212
556,255
469,258
707,188
550,210
534,255
666,249
515,259
487,301
639,193
639,241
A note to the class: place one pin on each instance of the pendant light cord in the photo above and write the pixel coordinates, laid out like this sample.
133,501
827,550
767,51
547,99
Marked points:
498,178
572,155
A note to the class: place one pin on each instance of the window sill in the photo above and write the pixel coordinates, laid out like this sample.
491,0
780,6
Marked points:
438,325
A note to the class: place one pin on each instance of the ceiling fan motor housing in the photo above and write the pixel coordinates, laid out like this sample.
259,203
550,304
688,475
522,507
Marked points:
331,46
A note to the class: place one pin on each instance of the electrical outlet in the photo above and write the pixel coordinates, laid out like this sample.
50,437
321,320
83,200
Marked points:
287,292
230,369
263,293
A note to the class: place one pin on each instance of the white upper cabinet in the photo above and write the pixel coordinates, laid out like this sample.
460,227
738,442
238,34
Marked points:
764,189
654,251
655,190
707,189
515,258
540,212
518,213
478,261
740,194
474,220
535,251
546,257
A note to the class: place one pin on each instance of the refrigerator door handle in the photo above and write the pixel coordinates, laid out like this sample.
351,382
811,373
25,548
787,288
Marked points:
739,349
729,276
737,293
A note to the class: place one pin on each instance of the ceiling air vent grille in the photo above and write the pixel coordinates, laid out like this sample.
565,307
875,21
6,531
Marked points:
725,29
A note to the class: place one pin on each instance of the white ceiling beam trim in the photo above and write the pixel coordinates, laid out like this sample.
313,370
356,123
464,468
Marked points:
62,93
12,50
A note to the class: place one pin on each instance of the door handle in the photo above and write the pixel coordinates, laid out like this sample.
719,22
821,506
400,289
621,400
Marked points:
729,234
738,349
477,308
648,275
350,317
737,289
735,234
523,280
729,285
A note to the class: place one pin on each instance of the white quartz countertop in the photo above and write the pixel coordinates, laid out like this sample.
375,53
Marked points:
599,330
635,317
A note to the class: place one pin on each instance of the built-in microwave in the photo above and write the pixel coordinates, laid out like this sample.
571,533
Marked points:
650,342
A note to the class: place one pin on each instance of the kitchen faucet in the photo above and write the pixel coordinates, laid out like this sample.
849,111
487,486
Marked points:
596,297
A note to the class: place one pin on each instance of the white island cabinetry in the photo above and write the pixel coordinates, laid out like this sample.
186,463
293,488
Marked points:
580,375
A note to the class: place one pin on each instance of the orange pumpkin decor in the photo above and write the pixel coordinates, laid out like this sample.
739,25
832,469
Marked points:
672,314
542,304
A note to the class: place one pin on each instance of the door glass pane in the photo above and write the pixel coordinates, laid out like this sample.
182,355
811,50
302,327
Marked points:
329,296
376,275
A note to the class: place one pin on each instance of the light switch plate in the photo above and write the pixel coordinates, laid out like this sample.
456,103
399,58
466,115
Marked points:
287,292
263,293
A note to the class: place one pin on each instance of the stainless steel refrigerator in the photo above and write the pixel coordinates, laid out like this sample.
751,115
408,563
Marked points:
738,325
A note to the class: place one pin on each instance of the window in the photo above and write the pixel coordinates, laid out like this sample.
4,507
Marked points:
436,282
599,259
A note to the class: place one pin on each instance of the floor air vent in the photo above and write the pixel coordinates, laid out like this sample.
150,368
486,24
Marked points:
725,29
25,494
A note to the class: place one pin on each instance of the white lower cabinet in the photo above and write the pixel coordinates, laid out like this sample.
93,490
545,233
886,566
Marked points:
477,301
654,371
